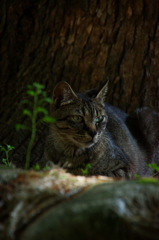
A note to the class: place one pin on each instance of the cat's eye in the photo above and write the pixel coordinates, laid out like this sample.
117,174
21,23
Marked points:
99,119
77,118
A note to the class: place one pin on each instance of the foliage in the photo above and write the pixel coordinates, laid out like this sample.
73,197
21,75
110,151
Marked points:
36,92
153,166
146,179
6,149
38,168
86,168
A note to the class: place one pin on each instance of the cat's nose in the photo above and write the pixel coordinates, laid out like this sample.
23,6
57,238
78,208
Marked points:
92,133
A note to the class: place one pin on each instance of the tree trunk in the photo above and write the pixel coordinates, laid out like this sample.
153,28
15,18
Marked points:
82,42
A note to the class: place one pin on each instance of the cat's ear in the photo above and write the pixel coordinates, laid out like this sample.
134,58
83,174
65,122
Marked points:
101,95
63,94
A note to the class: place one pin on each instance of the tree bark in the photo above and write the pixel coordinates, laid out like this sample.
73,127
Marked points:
82,42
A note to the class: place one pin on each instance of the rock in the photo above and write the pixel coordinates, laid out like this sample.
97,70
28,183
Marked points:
57,205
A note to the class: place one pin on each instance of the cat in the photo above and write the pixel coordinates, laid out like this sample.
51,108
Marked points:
88,130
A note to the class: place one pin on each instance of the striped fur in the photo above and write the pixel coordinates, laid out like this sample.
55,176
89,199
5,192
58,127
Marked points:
87,130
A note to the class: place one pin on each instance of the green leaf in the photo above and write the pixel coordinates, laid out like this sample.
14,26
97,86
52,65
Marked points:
2,149
48,119
38,91
27,112
137,176
9,147
36,167
41,109
46,168
31,93
4,161
45,99
18,126
38,85
49,100
84,171
153,166
87,166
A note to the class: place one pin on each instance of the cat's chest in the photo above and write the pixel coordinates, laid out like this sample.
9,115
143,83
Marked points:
83,156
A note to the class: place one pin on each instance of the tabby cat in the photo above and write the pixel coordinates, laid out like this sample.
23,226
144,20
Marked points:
88,130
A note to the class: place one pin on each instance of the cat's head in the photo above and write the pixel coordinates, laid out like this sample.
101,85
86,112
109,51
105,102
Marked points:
80,118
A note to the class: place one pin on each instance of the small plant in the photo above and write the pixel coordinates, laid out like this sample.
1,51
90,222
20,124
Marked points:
6,149
145,180
86,168
36,92
153,166
38,168
46,168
